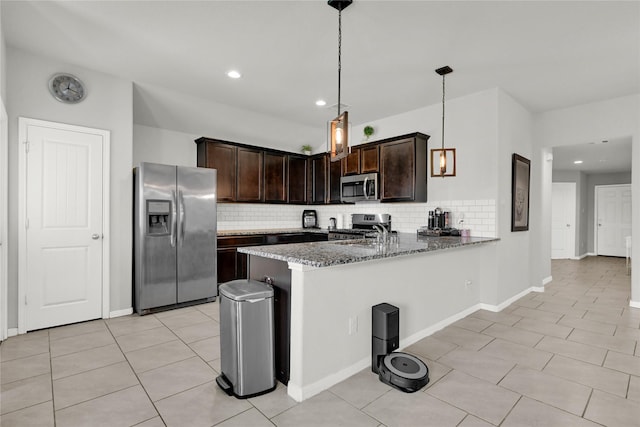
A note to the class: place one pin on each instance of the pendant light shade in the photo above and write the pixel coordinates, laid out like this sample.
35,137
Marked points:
443,160
339,127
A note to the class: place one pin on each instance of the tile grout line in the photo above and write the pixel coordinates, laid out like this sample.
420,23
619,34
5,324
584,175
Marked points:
137,377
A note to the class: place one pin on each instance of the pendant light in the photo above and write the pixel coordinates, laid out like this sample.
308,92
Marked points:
442,152
339,127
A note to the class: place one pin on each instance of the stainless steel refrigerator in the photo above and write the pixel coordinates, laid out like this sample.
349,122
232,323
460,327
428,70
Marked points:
174,236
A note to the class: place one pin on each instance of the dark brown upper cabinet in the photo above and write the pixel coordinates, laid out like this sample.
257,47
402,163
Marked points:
369,158
249,176
351,163
362,159
221,156
297,179
335,172
252,174
403,169
275,177
317,188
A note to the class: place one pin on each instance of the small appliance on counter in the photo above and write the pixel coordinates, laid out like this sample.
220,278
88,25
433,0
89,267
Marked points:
438,224
309,218
332,223
402,371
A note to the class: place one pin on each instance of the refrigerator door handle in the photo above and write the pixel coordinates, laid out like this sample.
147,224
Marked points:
182,217
174,219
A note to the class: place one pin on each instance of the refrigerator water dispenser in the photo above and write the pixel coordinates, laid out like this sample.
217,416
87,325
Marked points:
158,217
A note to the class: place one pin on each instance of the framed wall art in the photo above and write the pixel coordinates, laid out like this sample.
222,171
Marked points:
520,184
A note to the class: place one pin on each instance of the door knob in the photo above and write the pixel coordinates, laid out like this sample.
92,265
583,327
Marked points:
95,236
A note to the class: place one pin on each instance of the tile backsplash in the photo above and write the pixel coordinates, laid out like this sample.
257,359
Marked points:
477,215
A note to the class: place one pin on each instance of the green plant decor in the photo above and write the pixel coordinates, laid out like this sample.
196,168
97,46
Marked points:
306,149
368,131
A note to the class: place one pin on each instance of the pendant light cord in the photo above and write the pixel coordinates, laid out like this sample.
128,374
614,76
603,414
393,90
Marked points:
443,112
339,54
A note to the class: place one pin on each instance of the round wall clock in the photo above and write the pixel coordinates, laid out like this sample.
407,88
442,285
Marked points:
67,88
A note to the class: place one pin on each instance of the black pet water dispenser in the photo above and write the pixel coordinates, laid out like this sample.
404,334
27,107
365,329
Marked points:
400,370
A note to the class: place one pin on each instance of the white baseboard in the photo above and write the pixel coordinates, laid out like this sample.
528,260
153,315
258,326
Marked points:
634,304
12,332
119,313
546,280
508,302
302,393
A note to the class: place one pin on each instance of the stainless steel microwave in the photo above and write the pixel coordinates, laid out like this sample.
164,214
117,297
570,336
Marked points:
356,188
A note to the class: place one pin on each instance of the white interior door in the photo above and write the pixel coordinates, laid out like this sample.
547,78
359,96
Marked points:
563,220
4,221
613,219
63,225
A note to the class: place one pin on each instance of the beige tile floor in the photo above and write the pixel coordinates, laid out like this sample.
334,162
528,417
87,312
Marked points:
566,357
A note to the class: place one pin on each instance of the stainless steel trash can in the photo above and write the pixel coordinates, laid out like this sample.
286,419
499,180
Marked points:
246,338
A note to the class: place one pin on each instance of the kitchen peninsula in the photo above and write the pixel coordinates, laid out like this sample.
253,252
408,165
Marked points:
328,289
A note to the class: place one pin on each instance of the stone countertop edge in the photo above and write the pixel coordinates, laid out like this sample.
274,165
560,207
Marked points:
340,252
228,233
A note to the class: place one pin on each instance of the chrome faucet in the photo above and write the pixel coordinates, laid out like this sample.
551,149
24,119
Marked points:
382,233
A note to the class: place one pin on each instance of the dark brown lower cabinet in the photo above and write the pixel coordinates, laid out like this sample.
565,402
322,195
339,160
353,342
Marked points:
279,273
232,265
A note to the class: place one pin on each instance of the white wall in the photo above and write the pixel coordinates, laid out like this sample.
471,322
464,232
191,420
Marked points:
108,105
618,117
471,128
222,121
163,146
515,128
3,61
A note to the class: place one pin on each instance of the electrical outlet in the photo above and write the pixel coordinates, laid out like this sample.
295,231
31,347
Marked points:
353,325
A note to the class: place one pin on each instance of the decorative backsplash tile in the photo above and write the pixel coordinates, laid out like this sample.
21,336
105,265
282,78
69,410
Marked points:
477,215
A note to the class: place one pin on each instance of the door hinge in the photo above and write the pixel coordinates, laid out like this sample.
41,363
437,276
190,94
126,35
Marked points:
25,300
26,223
26,146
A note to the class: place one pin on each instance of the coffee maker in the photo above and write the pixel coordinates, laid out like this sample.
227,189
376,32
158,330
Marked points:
439,219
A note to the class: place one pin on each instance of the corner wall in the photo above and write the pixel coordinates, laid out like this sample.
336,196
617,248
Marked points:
515,134
108,106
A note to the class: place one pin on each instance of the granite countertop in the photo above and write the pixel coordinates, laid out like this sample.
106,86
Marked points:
225,233
336,252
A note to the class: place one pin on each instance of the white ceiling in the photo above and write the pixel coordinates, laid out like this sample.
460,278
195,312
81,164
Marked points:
611,156
547,55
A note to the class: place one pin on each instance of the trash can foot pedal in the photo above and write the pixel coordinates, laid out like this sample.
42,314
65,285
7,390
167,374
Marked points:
224,384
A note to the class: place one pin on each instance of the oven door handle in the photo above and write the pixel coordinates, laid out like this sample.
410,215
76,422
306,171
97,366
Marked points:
366,189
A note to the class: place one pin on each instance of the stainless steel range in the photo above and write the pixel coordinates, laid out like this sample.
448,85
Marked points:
363,226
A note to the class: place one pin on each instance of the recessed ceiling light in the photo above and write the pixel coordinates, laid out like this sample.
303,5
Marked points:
577,162
321,102
234,74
